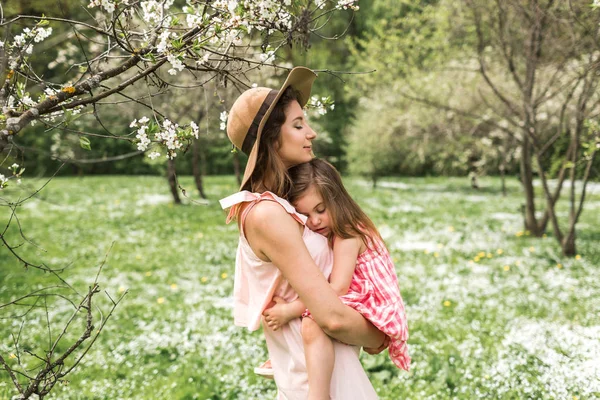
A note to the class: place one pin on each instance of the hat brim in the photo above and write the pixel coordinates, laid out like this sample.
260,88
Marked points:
299,78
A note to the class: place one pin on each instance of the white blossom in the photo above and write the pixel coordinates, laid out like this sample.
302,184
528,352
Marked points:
108,5
176,63
163,41
267,57
194,129
42,34
3,181
154,155
27,101
223,118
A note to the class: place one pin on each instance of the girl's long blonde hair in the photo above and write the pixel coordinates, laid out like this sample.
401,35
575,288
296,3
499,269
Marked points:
347,218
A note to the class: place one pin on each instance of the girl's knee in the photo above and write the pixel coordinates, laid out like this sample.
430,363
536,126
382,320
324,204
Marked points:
310,330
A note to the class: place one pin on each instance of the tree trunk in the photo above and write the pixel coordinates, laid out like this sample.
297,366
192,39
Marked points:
196,170
568,244
503,180
172,178
236,167
527,181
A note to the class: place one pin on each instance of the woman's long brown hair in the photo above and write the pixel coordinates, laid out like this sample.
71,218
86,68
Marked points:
347,218
270,172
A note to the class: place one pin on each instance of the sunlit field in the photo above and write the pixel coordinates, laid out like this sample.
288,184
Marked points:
493,312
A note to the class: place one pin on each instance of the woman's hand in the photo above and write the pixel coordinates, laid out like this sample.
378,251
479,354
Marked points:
377,350
278,314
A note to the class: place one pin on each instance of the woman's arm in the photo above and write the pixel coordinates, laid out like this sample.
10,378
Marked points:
345,252
274,236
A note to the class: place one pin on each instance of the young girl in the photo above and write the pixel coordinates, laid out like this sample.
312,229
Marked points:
363,272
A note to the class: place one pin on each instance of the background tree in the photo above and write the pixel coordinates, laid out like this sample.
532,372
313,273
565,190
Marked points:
77,76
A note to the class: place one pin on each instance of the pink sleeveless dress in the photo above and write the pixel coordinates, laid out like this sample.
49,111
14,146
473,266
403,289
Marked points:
257,281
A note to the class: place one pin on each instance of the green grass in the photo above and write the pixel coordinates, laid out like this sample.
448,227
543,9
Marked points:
512,325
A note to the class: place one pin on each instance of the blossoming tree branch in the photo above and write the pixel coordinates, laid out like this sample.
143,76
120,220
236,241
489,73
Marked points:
124,42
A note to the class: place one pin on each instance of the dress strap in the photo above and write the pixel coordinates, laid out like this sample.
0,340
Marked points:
237,199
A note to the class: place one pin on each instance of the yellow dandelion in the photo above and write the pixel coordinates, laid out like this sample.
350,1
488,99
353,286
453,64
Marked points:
476,259
149,273
203,279
481,254
199,235
451,229
440,246
559,265
447,303
489,255
578,257
160,300
436,254
575,398
224,275
138,256
471,262
519,234
499,251
517,263
487,377
12,355
532,249
425,251
173,286
121,289
507,268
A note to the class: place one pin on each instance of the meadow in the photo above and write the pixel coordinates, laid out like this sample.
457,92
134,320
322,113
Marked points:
493,312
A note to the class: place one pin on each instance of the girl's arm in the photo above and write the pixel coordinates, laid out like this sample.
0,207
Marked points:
275,236
345,252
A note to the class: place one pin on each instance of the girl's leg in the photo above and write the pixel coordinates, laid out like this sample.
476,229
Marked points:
320,357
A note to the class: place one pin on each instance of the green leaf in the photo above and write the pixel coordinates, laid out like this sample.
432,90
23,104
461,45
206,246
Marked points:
85,143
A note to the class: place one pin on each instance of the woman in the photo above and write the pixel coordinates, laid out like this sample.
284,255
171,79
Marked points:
277,255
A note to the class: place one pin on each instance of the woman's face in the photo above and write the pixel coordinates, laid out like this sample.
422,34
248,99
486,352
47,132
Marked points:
295,141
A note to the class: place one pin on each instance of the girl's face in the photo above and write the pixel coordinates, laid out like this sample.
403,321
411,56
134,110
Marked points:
311,204
295,141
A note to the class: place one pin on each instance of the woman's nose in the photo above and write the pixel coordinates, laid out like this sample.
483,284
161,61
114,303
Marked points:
311,134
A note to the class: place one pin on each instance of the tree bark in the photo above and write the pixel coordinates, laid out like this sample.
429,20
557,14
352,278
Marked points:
196,170
198,159
236,168
527,181
172,178
503,180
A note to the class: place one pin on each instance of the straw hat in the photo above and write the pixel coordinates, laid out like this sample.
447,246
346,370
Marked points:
251,111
